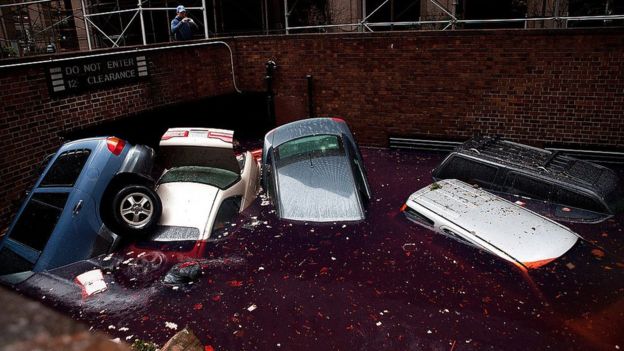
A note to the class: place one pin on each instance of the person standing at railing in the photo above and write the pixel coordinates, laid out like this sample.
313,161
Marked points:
182,26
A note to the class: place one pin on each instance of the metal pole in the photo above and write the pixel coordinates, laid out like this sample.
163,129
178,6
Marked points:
266,17
310,96
4,30
86,22
24,3
363,15
204,10
214,15
286,15
142,22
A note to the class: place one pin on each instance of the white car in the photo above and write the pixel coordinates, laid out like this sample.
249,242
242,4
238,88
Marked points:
204,184
488,222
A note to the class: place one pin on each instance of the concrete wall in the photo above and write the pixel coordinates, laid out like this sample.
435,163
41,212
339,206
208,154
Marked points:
543,86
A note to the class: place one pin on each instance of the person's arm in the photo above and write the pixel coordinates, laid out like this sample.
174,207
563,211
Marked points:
175,25
192,23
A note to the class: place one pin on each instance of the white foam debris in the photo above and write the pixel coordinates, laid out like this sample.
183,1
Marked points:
129,337
260,268
124,329
251,308
378,324
111,327
130,253
141,254
107,258
128,260
171,325
116,340
429,332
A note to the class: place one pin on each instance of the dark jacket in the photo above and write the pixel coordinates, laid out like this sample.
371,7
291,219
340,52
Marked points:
182,30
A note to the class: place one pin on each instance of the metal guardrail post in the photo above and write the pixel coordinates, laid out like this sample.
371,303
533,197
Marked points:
142,23
205,14
86,22
286,14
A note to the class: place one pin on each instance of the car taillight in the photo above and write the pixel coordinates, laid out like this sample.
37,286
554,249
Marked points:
537,264
339,120
403,207
175,134
221,136
115,145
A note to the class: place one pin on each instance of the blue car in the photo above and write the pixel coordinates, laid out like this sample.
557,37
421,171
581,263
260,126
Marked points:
91,192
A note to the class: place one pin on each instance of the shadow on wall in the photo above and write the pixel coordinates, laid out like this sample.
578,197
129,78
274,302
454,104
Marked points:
245,113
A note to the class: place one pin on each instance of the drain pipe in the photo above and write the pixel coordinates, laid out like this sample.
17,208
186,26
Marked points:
310,96
270,66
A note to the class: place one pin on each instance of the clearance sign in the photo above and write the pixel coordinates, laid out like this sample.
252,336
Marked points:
81,76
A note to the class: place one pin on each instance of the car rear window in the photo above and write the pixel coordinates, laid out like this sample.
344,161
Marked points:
221,178
37,221
183,156
316,145
418,217
66,169
573,199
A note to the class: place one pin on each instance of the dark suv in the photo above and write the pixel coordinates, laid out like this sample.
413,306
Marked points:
508,167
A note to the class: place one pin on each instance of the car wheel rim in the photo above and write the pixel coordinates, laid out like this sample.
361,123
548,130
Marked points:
136,210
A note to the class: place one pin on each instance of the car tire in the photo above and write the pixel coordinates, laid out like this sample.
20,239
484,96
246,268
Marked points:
135,210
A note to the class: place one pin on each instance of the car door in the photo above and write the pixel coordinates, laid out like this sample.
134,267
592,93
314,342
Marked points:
49,230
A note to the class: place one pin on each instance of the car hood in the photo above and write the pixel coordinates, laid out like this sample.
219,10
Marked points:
319,189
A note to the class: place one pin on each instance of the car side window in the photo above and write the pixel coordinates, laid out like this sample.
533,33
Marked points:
66,169
36,223
530,187
418,217
468,170
227,211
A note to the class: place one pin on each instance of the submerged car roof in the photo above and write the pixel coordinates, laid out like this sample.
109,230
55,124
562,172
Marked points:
547,164
327,185
518,232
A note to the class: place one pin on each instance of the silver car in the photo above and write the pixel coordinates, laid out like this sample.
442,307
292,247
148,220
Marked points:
477,218
313,172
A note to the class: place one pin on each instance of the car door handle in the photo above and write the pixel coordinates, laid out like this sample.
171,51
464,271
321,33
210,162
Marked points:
77,208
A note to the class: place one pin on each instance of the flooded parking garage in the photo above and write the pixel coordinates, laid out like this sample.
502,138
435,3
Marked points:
384,283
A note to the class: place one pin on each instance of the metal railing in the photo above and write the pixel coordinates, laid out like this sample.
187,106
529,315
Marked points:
451,21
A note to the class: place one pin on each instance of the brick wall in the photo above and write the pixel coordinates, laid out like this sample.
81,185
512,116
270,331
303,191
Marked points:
31,120
543,86
561,87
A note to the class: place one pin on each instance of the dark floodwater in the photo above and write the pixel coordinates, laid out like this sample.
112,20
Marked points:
384,284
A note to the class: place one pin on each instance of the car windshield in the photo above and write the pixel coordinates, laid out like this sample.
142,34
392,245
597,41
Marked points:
221,178
311,146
